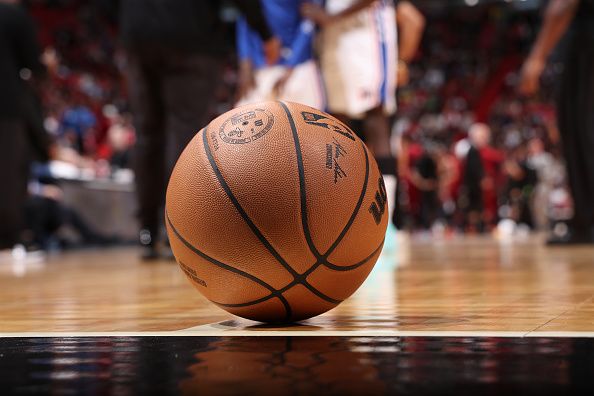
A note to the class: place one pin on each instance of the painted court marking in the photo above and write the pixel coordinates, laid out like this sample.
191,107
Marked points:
223,329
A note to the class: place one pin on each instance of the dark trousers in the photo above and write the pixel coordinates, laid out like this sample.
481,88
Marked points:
173,96
44,216
429,209
576,125
13,182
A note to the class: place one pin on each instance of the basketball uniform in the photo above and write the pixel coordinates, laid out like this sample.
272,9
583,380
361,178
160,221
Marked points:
358,56
296,34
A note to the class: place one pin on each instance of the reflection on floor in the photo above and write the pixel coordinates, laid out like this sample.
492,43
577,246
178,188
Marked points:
297,365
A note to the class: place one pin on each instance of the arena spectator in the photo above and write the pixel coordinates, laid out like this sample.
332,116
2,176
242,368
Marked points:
426,180
521,182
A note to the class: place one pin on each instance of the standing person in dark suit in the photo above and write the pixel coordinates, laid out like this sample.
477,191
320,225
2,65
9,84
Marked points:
19,55
575,105
174,50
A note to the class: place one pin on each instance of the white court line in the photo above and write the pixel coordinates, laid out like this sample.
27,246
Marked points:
204,331
241,328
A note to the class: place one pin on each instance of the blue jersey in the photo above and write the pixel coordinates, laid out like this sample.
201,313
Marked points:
286,23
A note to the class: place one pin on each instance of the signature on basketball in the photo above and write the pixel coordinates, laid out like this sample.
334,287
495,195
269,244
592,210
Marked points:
335,151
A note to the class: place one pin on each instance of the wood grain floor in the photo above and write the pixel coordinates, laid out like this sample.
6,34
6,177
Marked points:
463,284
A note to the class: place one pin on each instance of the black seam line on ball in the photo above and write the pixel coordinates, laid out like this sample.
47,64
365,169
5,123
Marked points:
348,225
323,260
246,304
297,282
354,266
255,229
274,292
318,293
301,279
320,259
302,187
242,212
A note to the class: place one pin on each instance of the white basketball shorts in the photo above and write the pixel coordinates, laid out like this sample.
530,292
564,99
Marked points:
358,57
304,86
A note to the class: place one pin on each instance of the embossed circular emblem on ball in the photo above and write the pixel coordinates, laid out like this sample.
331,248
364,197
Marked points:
246,127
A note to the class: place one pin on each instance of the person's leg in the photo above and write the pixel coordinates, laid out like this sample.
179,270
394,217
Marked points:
399,211
376,128
189,93
36,214
585,122
144,87
71,217
474,218
426,210
577,132
14,163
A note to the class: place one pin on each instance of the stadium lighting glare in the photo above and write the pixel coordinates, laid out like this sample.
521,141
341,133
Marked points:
471,3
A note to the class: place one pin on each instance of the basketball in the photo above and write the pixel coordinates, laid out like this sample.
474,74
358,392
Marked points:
276,211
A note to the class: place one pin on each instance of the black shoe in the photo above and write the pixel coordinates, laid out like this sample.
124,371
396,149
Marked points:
570,239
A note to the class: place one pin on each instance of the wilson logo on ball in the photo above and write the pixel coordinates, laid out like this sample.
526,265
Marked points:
378,207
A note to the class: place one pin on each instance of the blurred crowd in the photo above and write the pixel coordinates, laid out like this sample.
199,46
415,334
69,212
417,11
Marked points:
473,155
85,104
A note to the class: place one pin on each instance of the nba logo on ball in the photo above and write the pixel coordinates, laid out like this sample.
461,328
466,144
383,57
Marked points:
276,212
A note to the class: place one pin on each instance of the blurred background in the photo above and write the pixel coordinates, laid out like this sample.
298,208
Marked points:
462,92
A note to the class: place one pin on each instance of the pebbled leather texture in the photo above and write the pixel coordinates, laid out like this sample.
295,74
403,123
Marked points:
275,211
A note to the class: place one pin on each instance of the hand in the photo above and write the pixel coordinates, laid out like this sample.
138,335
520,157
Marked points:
272,50
246,80
53,152
279,85
316,14
530,77
402,74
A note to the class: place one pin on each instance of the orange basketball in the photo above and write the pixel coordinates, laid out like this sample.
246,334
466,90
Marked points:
276,212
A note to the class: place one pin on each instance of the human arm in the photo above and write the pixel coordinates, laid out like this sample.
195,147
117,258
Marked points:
557,18
252,10
300,49
411,24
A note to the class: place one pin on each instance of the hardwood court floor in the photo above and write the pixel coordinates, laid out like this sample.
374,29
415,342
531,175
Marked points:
459,285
